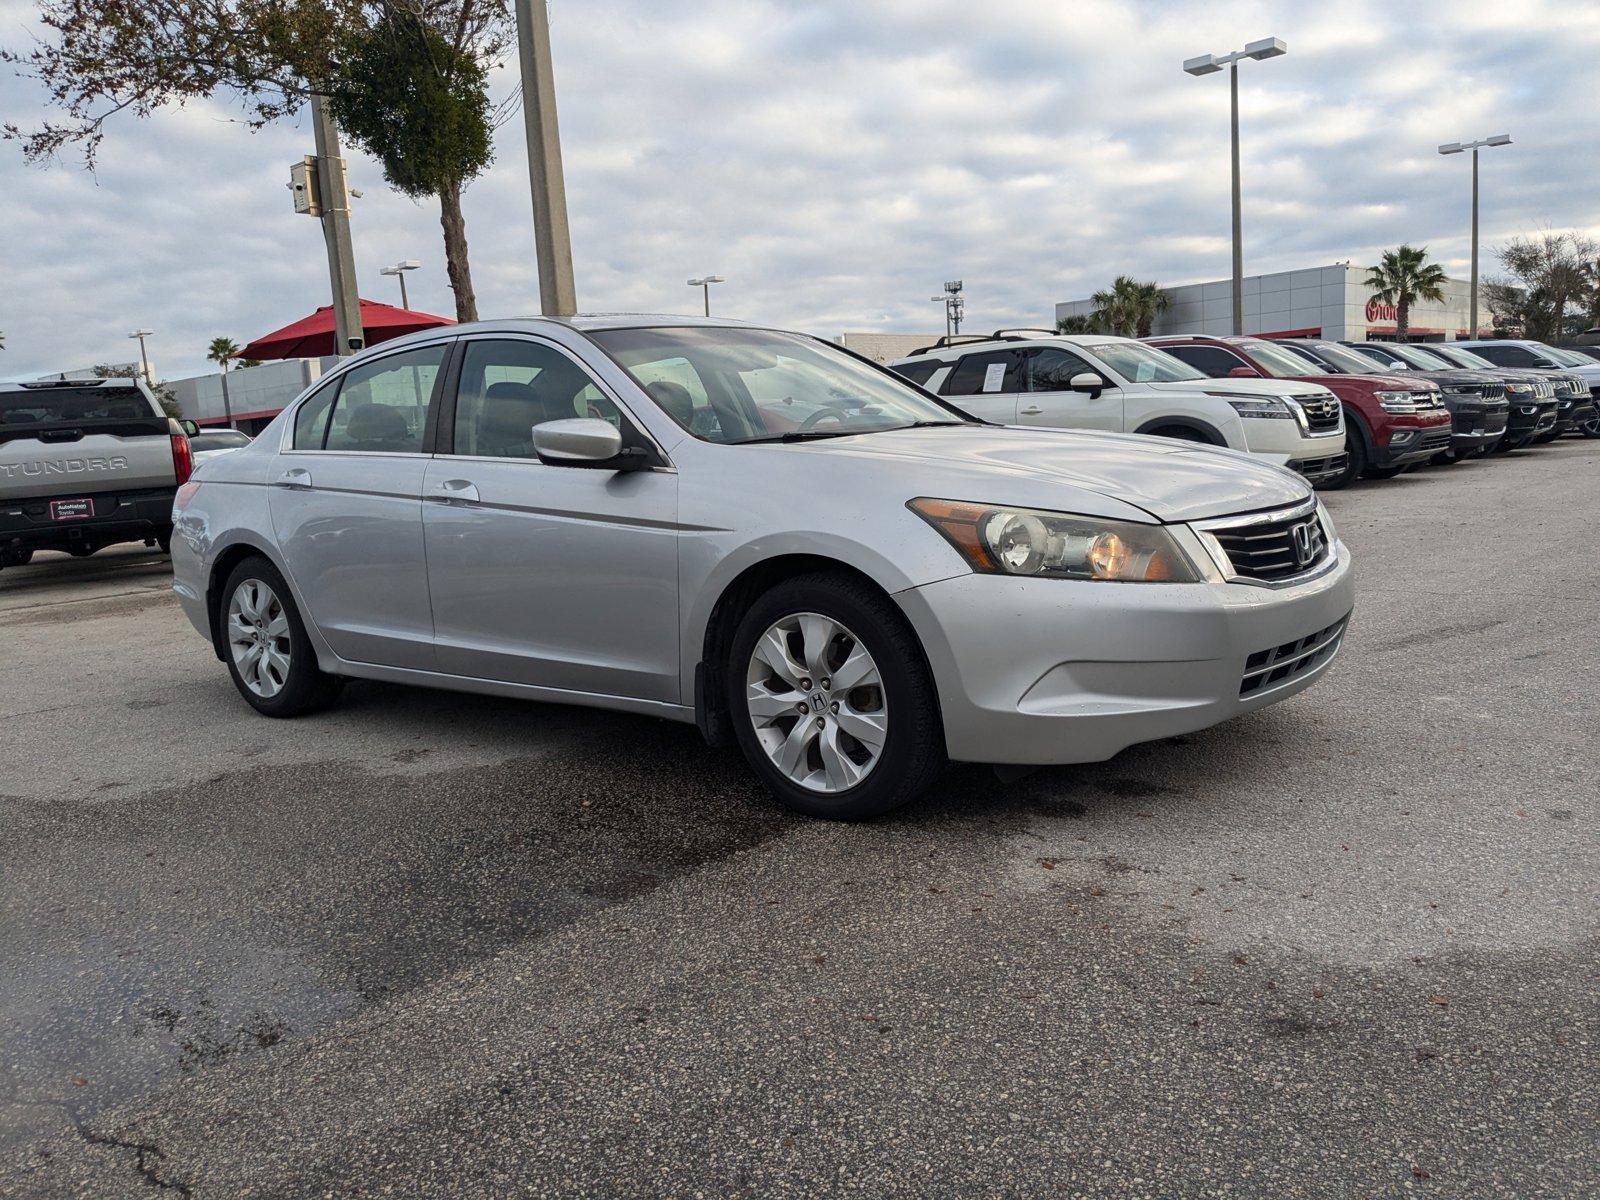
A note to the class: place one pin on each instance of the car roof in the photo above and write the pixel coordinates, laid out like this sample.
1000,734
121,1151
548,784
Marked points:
582,323
45,386
982,345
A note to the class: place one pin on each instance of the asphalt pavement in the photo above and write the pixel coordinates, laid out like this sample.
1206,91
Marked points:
436,944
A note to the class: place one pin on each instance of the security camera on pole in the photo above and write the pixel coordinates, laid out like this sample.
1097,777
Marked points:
320,190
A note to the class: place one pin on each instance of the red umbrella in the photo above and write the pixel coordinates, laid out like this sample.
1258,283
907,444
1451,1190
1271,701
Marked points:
312,337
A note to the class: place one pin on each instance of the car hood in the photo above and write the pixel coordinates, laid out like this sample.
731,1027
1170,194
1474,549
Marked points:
1244,387
1042,468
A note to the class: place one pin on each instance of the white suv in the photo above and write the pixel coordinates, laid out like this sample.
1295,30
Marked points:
1097,381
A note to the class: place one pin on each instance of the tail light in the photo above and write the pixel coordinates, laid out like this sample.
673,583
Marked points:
185,493
182,458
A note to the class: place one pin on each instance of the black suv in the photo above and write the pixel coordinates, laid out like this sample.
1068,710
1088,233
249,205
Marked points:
1532,401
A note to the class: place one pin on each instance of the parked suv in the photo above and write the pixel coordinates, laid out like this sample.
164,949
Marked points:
86,463
1542,357
1532,402
1390,422
1575,407
1098,381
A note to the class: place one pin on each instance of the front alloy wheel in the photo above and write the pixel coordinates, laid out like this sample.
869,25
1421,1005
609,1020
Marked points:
258,638
816,701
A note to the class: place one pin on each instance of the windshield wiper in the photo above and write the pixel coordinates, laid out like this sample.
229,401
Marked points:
802,435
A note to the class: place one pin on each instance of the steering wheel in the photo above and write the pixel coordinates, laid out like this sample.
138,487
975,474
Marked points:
822,414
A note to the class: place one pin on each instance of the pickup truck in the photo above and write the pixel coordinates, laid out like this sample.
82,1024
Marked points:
86,463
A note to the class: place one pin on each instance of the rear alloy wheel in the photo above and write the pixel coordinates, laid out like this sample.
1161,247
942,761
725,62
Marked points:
269,653
831,700
1591,427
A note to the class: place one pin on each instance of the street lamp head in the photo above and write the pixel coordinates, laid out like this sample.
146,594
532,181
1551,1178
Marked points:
1451,148
1266,48
388,270
1499,139
139,333
701,282
1206,64
410,264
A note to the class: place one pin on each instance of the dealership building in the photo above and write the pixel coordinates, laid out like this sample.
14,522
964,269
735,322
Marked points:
1329,302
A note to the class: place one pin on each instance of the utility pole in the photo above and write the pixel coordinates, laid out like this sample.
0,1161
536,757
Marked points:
144,358
552,240
333,198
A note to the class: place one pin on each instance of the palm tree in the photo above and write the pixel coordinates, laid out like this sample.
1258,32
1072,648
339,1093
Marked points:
1129,308
1079,323
222,351
1403,276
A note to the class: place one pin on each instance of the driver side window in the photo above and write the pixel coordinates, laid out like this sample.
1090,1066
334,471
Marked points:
509,386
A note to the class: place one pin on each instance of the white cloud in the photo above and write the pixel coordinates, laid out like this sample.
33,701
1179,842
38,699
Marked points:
837,161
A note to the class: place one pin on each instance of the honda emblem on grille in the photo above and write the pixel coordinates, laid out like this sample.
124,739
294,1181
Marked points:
1304,549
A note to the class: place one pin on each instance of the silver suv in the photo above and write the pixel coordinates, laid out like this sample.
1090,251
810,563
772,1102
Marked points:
758,532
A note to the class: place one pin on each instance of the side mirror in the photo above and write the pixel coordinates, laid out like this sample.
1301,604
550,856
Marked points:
1244,373
1396,365
1087,381
583,442
189,427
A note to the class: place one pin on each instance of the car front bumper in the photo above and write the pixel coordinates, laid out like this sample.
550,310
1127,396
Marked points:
1037,671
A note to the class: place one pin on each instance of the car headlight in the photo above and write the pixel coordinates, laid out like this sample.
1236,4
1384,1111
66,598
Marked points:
1327,523
1269,407
1519,389
1025,541
1402,402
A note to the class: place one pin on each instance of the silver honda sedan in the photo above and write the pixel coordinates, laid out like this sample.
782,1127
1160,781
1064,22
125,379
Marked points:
759,532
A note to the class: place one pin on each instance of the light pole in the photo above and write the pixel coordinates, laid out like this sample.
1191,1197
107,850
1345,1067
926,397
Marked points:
704,284
944,300
1209,64
1499,139
399,272
144,359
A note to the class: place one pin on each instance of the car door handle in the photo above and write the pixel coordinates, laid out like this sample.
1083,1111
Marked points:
294,477
1032,411
454,491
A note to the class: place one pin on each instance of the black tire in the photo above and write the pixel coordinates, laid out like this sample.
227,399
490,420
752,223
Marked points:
913,752
306,687
1590,428
1182,433
164,541
1382,472
81,549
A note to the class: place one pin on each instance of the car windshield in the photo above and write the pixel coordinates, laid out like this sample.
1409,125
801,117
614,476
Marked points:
221,440
758,385
1137,363
1463,358
1281,362
1563,358
1344,360
1413,357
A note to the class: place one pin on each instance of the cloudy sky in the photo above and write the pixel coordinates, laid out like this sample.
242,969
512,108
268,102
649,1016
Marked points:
838,160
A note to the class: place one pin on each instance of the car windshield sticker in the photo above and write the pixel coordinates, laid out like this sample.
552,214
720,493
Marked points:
993,376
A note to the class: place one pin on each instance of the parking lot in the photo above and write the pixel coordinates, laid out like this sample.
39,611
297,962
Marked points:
1345,945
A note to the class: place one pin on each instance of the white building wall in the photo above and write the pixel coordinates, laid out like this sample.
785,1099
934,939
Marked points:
886,347
1331,302
255,392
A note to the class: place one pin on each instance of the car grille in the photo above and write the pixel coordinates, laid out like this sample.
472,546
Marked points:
1322,413
1277,665
1543,389
1271,550
1571,388
1439,439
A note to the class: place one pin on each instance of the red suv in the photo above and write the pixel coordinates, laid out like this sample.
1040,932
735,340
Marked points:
1391,423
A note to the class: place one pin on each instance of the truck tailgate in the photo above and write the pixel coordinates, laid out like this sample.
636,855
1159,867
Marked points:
62,443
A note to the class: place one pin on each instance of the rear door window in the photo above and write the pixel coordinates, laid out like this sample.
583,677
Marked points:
382,406
992,372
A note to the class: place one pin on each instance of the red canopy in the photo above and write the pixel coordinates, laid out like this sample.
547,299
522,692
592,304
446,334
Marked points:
312,337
